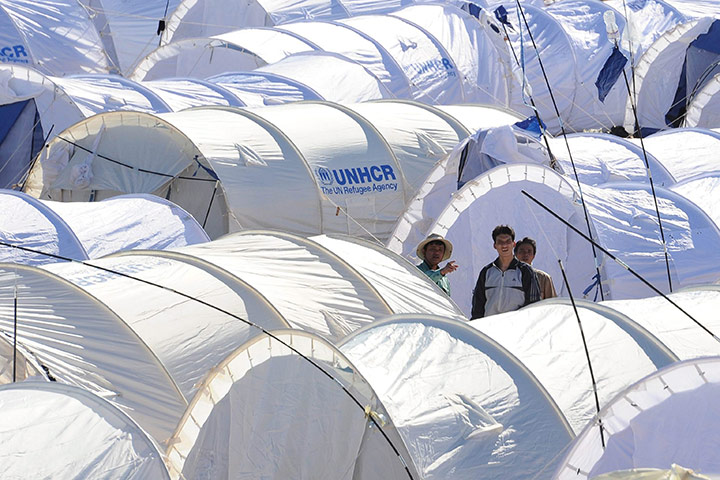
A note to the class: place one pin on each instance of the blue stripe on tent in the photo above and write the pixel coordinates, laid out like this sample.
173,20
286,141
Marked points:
610,73
8,116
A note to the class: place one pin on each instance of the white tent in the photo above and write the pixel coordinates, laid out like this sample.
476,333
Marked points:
55,36
702,110
287,405
341,169
668,417
51,430
704,191
465,407
90,230
622,218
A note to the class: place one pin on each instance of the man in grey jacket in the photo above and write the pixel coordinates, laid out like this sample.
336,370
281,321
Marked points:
506,284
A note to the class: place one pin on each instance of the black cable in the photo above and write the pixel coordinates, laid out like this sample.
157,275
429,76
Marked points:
587,352
237,317
619,262
567,144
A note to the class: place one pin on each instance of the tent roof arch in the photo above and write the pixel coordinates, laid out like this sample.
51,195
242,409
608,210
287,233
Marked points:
238,387
657,74
703,108
424,67
704,191
244,49
37,414
608,158
656,350
570,383
119,165
239,210
434,373
32,224
685,152
258,88
150,395
477,116
460,128
337,69
33,31
356,45
286,269
157,104
404,288
210,93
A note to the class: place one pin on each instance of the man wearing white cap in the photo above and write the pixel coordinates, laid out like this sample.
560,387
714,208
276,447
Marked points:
433,250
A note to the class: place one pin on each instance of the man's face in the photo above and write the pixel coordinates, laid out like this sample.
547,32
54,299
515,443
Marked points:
504,245
525,253
434,252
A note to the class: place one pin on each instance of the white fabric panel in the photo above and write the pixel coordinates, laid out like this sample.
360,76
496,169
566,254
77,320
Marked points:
672,327
69,332
697,8
558,57
44,425
312,289
703,191
256,89
244,420
601,158
495,198
418,137
465,408
432,73
475,117
657,74
254,160
285,11
26,222
399,283
17,363
354,168
483,74
189,338
358,47
669,417
583,22
270,44
704,106
180,94
535,335
626,222
646,22
96,94
341,81
32,30
204,18
129,222
685,153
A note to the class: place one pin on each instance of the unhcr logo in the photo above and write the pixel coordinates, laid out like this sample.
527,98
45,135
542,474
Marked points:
324,175
358,180
14,53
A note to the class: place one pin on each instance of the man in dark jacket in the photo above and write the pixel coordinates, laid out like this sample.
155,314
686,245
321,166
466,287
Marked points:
506,284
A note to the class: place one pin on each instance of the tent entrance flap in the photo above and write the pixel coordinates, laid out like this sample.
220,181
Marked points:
21,137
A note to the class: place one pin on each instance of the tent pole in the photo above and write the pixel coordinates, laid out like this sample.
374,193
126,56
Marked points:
567,145
366,409
14,373
619,262
587,352
613,35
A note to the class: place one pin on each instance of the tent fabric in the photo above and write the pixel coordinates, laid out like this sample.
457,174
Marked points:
702,190
545,327
129,222
667,417
33,29
17,363
237,50
455,395
702,109
76,350
321,430
45,422
686,152
29,223
256,89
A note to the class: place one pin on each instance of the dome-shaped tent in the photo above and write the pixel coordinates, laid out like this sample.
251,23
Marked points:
668,417
702,109
45,423
703,191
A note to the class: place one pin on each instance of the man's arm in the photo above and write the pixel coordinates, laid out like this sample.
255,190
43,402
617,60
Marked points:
479,298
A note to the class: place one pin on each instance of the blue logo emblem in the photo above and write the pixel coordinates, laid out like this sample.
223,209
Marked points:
325,175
